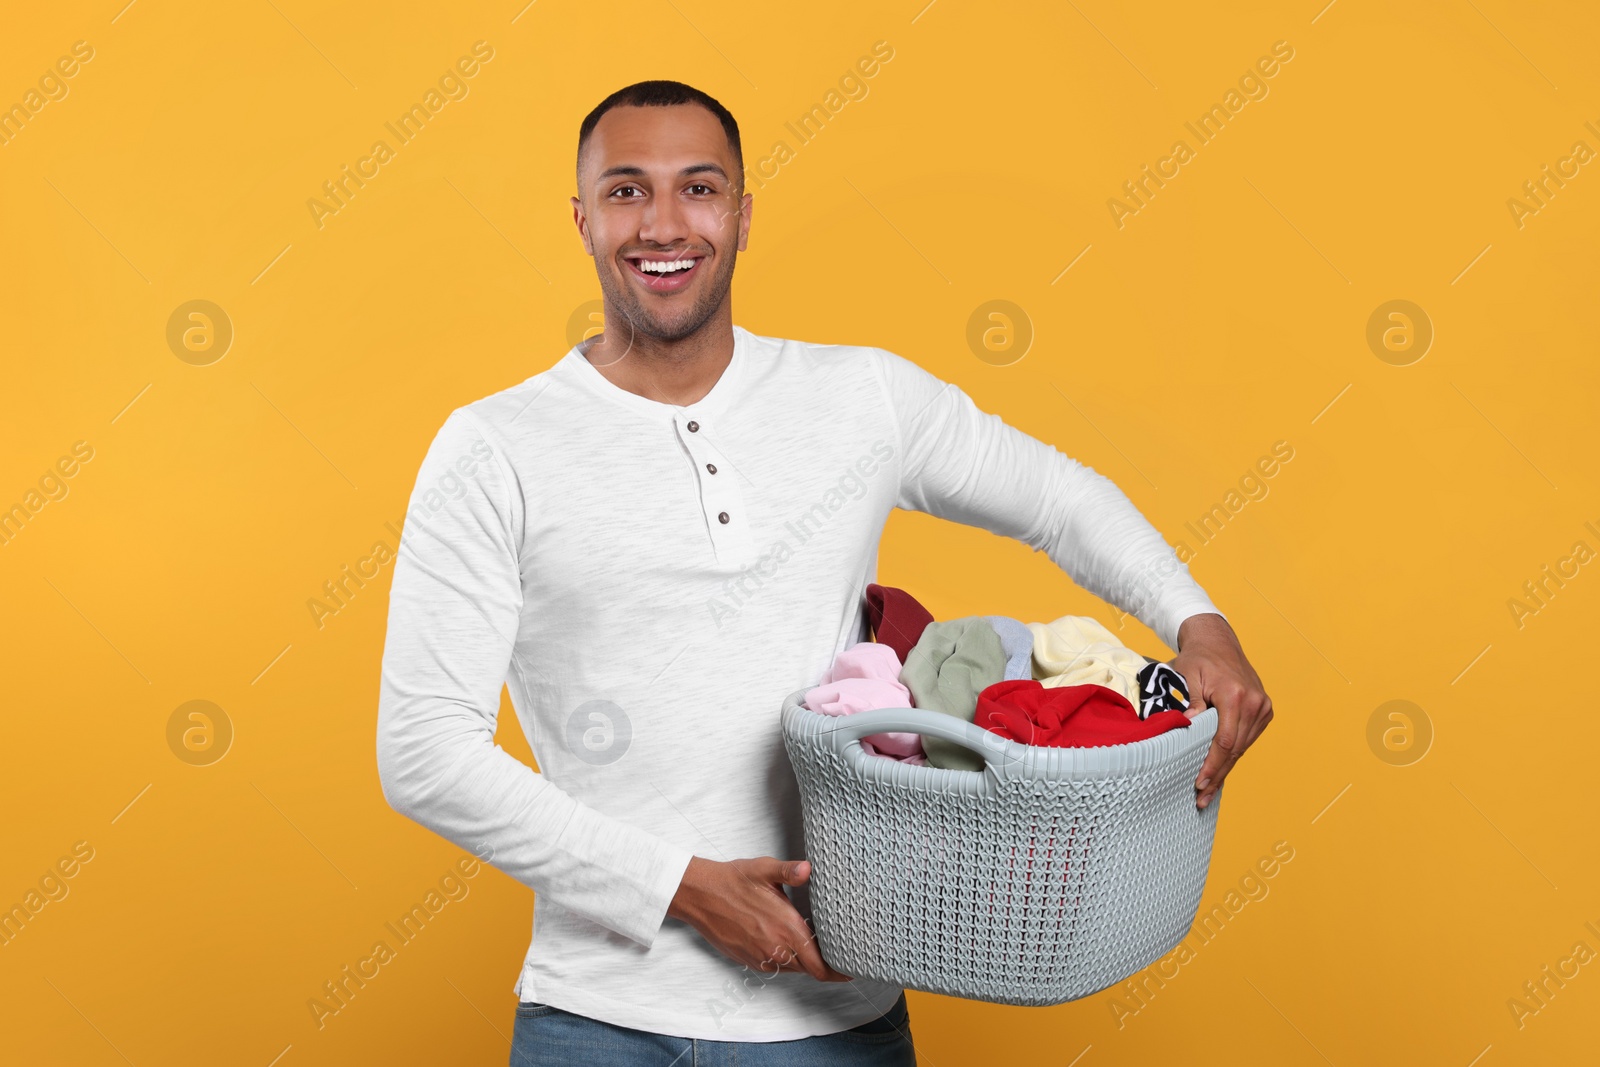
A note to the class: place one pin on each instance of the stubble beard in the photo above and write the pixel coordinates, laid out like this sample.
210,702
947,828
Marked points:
635,307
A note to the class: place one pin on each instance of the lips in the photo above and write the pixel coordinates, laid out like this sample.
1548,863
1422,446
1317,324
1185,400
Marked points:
658,282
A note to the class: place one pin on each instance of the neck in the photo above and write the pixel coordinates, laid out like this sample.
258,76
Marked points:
678,372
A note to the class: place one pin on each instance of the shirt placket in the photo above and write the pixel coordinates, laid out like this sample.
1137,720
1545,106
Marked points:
721,499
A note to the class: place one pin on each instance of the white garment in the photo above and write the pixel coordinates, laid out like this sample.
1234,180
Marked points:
565,539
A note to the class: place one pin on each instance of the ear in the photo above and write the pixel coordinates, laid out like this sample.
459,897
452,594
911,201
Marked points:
746,205
581,220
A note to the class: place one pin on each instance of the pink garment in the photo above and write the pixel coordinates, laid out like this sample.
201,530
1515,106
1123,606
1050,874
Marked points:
866,677
916,759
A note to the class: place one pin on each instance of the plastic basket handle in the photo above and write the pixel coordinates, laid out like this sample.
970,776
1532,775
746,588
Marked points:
1001,754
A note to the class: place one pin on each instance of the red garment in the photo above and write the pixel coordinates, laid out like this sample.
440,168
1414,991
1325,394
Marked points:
896,618
1068,716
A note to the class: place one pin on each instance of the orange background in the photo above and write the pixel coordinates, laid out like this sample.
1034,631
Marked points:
1230,312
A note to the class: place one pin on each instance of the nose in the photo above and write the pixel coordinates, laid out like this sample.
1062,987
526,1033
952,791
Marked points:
663,222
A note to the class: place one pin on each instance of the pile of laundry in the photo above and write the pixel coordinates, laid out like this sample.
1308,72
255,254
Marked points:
1064,684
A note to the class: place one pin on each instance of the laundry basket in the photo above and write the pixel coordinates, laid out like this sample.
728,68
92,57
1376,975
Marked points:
1049,875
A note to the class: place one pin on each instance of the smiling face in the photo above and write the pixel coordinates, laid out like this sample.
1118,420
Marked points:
662,211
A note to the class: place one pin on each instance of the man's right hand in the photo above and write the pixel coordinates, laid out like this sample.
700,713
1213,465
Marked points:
741,910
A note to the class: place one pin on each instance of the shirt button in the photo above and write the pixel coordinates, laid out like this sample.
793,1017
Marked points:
694,427
712,467
722,517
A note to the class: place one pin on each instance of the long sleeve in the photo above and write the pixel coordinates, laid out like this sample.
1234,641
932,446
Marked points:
967,465
453,623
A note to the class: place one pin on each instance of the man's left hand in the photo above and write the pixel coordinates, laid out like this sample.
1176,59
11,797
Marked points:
1214,666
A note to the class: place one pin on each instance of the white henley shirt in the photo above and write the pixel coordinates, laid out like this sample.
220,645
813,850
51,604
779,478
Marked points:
650,581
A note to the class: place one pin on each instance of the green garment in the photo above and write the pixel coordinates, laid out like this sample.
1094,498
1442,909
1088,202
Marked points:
949,666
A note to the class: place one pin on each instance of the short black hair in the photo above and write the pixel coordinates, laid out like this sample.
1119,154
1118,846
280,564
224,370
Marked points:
665,94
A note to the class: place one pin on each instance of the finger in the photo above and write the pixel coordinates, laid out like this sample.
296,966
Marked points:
796,872
1251,721
1224,744
811,959
1221,750
765,870
780,959
1258,724
1210,791
806,956
832,975
809,954
1235,752
768,874
1246,726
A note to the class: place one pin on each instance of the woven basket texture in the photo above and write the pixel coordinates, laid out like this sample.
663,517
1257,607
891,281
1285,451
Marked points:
1049,875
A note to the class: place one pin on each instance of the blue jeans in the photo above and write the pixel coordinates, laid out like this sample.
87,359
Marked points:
549,1037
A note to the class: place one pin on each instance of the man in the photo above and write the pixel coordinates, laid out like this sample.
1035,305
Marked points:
652,543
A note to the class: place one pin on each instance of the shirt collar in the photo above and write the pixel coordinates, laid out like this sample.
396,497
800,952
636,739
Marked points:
713,403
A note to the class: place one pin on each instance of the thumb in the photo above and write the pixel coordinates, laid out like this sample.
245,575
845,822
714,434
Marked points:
796,872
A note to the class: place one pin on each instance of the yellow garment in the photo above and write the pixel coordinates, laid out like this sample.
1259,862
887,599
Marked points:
1075,650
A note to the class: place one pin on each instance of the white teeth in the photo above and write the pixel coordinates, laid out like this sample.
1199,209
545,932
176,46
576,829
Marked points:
652,267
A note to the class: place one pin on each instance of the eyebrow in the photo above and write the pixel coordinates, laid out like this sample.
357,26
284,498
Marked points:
629,171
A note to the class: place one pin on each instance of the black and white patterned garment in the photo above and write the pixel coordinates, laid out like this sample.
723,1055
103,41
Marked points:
1161,689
